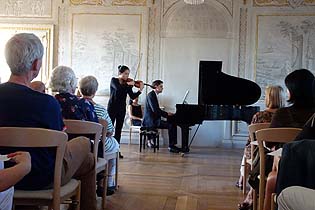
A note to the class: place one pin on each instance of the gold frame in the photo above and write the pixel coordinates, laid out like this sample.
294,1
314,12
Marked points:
48,29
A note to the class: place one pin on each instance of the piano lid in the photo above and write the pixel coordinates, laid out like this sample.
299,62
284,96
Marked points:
219,88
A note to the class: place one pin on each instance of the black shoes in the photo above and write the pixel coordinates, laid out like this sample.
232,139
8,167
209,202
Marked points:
110,191
174,149
121,156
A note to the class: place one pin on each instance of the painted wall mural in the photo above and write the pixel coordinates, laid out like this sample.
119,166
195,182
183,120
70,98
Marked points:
283,44
291,3
101,42
26,8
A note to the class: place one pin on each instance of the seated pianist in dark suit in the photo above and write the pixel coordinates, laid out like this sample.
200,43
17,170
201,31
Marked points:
153,113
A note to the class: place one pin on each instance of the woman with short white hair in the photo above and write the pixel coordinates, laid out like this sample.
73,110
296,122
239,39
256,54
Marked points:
88,87
64,82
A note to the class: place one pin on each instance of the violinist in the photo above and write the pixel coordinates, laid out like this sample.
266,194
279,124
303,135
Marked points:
119,88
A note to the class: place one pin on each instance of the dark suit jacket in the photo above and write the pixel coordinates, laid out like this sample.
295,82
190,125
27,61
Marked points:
152,112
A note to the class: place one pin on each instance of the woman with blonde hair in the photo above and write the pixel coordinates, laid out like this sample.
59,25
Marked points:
274,99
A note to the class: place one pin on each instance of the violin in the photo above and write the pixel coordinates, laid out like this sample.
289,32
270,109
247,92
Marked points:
137,83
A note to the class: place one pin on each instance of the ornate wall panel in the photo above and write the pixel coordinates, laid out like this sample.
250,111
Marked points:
110,2
283,43
104,41
129,2
198,21
291,3
228,4
242,42
26,8
88,2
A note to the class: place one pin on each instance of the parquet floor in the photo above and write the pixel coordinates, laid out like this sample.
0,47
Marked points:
201,180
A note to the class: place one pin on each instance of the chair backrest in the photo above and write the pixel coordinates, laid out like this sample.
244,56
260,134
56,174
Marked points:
275,135
38,137
85,128
104,123
255,127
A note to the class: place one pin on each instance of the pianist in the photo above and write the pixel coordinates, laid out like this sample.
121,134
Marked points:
153,114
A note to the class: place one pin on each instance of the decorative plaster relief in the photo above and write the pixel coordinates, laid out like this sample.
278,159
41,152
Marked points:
242,42
88,2
168,4
228,4
197,21
283,43
26,8
129,2
291,3
105,41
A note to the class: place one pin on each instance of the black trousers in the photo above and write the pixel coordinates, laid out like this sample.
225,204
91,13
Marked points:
172,131
118,116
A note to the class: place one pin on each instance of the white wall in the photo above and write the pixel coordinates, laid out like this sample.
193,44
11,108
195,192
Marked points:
180,69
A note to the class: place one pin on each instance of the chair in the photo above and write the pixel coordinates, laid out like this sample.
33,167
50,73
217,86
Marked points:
87,128
112,155
38,137
275,135
149,132
251,130
133,127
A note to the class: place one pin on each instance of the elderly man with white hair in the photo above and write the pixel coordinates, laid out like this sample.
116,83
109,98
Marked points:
20,106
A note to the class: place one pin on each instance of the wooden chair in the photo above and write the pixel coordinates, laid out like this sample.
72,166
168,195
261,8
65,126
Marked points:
251,130
131,128
38,137
112,155
87,128
275,135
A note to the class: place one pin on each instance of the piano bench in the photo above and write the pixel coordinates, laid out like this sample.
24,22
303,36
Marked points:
149,133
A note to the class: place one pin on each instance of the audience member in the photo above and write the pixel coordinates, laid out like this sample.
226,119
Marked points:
296,198
153,113
20,106
38,86
135,112
64,82
88,87
274,99
300,91
10,176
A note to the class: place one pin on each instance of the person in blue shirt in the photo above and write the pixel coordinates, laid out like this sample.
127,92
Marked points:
20,106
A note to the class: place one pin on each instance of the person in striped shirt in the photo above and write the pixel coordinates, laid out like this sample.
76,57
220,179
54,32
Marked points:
88,87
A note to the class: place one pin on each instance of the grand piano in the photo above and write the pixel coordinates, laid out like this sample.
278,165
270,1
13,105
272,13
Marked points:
220,97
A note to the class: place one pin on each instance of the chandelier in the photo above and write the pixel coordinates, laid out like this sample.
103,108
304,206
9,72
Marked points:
194,2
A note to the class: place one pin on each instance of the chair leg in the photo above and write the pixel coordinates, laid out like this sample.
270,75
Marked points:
105,187
158,141
154,142
140,143
254,196
144,140
116,172
245,177
130,131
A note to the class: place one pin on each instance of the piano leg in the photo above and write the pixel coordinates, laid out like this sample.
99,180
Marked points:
185,137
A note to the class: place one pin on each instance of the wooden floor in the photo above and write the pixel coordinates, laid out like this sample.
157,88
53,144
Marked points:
201,180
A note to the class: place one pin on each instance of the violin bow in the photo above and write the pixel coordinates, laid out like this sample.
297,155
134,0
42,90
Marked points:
138,66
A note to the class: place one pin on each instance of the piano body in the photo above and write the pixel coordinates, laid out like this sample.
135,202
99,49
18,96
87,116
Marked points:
220,97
